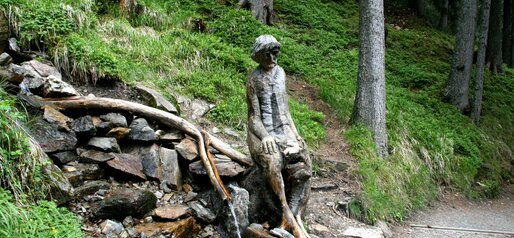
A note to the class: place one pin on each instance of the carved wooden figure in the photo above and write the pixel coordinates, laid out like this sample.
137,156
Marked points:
261,9
273,140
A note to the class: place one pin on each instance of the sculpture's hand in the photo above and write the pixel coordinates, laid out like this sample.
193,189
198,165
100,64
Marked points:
268,145
292,148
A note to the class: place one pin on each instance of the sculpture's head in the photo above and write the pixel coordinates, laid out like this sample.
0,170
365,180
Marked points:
265,51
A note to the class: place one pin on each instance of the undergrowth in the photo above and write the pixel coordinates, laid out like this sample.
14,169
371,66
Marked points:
431,143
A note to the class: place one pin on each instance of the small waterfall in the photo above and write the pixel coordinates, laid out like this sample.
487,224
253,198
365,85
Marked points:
231,206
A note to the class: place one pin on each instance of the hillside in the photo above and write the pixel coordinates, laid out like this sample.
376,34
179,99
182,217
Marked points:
432,145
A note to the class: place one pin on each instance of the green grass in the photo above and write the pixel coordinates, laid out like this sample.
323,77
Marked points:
432,145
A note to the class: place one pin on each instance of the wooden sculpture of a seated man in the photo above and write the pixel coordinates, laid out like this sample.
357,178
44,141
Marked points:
273,140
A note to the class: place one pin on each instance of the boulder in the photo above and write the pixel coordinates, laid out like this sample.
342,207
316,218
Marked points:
95,156
91,187
171,173
171,212
124,202
56,117
44,70
117,119
226,168
106,144
120,133
61,190
83,127
51,139
141,131
55,87
202,212
64,157
185,228
31,81
156,100
127,164
188,149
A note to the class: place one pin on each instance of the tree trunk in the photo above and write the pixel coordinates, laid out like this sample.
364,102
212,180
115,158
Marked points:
457,87
443,20
507,33
479,80
370,107
494,41
512,35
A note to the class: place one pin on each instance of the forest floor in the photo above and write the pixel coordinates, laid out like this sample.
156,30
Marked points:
455,211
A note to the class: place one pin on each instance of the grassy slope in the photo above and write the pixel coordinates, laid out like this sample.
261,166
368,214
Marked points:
431,143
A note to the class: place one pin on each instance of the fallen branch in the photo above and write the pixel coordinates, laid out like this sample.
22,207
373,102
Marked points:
160,116
462,229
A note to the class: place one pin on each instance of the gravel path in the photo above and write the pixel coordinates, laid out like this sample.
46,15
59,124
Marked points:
458,212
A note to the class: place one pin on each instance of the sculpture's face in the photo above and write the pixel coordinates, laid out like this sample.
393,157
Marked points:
268,58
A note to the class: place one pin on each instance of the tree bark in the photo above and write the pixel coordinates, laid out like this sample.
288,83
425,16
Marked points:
370,106
494,41
162,117
479,80
507,33
457,86
443,20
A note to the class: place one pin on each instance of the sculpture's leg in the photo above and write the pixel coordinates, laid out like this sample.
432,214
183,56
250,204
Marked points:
299,178
272,166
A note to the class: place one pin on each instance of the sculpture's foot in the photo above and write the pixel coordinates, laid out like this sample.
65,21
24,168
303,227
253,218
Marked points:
300,224
290,223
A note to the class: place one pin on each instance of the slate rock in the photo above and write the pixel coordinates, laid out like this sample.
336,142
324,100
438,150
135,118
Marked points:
127,164
156,100
200,108
73,175
44,70
61,190
117,119
5,59
202,212
106,144
124,202
172,136
141,131
110,227
55,87
103,128
91,187
150,160
64,157
32,82
171,173
188,149
185,228
225,168
171,212
95,156
83,126
120,133
51,139
51,115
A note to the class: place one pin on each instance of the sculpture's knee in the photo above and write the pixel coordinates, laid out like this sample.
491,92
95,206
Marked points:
299,172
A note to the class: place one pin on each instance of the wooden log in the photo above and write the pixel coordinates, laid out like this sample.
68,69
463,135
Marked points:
151,113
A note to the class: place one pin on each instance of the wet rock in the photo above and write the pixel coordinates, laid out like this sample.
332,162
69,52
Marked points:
127,164
5,59
64,157
103,128
55,87
141,131
106,144
257,231
185,228
91,187
156,100
172,136
111,228
239,206
125,202
200,108
363,232
61,190
117,119
171,173
94,156
51,115
171,212
202,212
188,149
83,127
51,139
225,168
44,70
120,133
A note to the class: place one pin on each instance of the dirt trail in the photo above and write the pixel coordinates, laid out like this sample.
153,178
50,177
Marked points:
334,183
458,212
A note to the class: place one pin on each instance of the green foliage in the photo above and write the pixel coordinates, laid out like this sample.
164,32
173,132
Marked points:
43,220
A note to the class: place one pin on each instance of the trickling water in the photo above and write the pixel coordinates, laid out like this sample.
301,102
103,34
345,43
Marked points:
231,206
